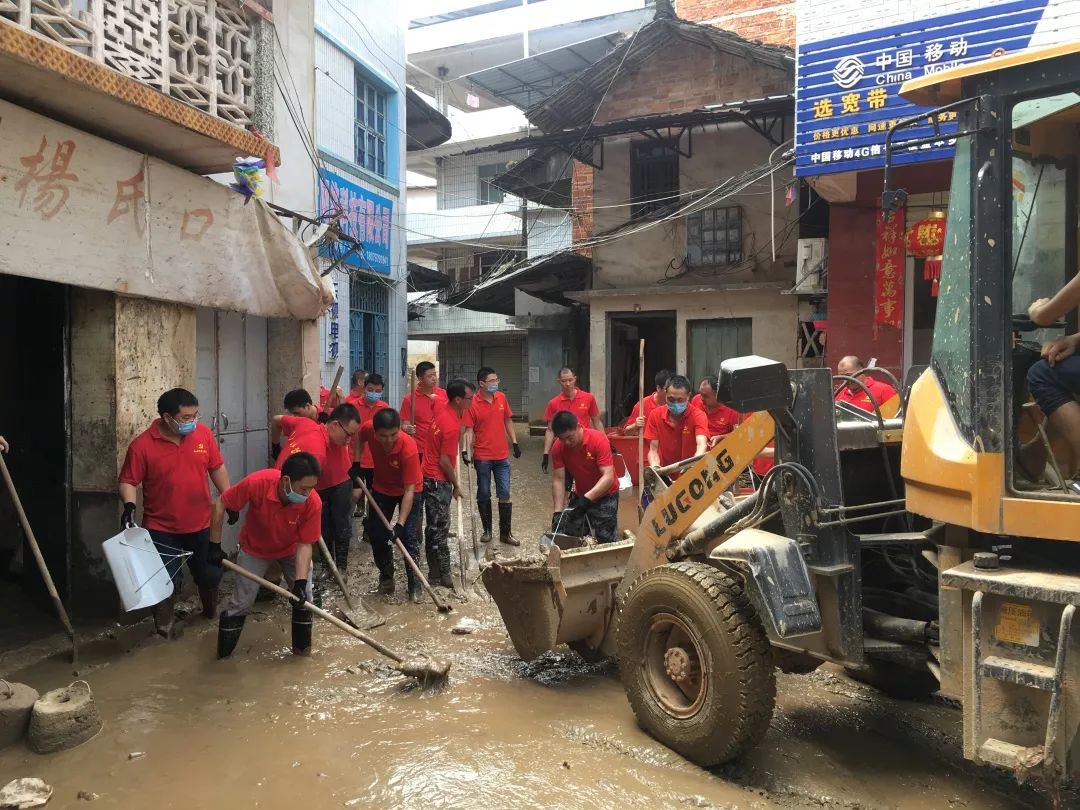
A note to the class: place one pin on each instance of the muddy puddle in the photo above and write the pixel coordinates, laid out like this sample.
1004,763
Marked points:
342,729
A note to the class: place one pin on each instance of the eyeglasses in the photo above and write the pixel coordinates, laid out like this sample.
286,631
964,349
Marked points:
187,420
346,431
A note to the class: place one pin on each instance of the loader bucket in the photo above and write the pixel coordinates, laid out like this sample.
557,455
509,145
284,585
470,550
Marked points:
557,597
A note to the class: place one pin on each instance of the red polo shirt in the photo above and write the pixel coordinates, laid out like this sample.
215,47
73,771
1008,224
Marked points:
677,437
721,421
444,438
582,405
176,490
426,408
650,406
302,435
367,410
584,462
272,529
881,391
395,469
488,421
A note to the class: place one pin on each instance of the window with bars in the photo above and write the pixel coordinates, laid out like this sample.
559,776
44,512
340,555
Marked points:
370,125
488,193
369,325
654,175
714,236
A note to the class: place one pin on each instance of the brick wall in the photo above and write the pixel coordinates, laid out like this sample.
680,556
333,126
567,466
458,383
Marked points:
759,20
581,193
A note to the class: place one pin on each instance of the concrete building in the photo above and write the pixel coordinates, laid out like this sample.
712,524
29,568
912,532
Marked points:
126,269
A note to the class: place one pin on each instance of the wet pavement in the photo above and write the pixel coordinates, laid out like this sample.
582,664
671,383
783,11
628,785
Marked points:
343,729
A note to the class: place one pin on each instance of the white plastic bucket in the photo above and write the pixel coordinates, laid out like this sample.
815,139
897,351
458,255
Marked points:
137,569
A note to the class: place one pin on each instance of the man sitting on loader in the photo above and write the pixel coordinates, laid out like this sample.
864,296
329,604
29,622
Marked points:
853,395
586,453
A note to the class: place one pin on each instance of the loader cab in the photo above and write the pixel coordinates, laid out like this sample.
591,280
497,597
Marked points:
1011,238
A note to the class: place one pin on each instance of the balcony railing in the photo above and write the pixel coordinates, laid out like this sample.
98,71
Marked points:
198,51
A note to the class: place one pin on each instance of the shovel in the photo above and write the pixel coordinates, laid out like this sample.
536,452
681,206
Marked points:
361,618
426,669
442,606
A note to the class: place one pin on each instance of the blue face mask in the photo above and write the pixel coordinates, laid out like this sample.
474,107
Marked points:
186,428
676,408
373,396
293,497
491,389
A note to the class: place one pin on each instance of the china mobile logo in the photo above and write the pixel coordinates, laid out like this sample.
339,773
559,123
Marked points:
848,72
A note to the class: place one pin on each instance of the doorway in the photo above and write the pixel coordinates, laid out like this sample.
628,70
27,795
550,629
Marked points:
624,330
35,419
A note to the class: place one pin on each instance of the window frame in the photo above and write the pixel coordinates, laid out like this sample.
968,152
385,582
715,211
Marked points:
484,183
371,107
696,222
646,170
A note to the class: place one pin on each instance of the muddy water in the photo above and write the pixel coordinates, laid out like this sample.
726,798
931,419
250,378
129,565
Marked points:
342,729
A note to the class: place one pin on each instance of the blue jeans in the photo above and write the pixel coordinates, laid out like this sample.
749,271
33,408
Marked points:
484,469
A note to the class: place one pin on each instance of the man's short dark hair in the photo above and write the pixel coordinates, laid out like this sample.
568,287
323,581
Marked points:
484,373
678,381
357,378
174,399
297,398
566,370
345,412
459,388
386,418
424,367
661,378
301,465
562,422
710,381
374,379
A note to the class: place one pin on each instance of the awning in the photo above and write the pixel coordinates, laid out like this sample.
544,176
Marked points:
424,125
424,279
83,211
545,277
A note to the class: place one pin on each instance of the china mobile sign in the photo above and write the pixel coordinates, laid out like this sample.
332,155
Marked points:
847,87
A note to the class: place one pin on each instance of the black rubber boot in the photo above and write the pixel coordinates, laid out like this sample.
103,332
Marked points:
341,555
386,583
506,512
228,634
301,631
208,596
484,507
446,576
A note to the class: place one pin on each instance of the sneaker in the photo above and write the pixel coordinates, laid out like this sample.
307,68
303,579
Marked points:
386,585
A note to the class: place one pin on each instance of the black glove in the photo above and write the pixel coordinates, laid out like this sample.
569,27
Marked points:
581,504
299,591
517,450
465,458
398,531
127,520
233,516
215,555
544,461
355,474
555,517
324,417
275,450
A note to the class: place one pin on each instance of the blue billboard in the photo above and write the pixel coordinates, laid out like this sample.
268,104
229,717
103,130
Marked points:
847,87
366,216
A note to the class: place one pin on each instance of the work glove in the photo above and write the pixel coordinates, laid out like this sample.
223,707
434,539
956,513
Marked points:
517,450
215,555
465,458
127,520
232,516
275,450
324,417
581,504
398,531
355,474
544,462
555,518
299,591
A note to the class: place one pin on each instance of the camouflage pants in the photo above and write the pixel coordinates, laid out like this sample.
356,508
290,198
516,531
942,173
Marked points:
600,521
437,498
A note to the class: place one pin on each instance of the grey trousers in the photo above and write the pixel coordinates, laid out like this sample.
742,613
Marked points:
245,591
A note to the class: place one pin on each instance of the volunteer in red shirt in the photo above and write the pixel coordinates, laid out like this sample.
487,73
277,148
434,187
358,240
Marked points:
356,388
720,418
372,402
297,403
570,398
644,408
396,485
281,525
586,454
488,435
171,460
853,395
441,482
676,432
428,398
330,444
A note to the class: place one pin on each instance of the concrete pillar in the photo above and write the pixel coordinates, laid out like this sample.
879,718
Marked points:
294,359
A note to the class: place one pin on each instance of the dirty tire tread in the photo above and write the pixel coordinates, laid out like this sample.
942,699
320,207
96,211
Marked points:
741,729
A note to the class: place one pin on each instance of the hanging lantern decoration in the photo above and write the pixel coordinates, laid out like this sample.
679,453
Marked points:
926,240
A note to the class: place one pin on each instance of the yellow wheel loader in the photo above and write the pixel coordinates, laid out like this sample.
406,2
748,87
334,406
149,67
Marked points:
906,544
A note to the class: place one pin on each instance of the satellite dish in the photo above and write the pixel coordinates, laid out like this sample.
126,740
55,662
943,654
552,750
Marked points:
317,236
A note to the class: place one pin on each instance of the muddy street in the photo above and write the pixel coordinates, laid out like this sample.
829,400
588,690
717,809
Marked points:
343,729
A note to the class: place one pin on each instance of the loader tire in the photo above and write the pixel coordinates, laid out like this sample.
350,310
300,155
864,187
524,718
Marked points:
695,662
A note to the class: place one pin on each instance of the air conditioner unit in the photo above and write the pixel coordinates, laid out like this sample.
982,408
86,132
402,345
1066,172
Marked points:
812,266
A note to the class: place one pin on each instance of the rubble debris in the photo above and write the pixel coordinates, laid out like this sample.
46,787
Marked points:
465,627
87,796
136,755
25,793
